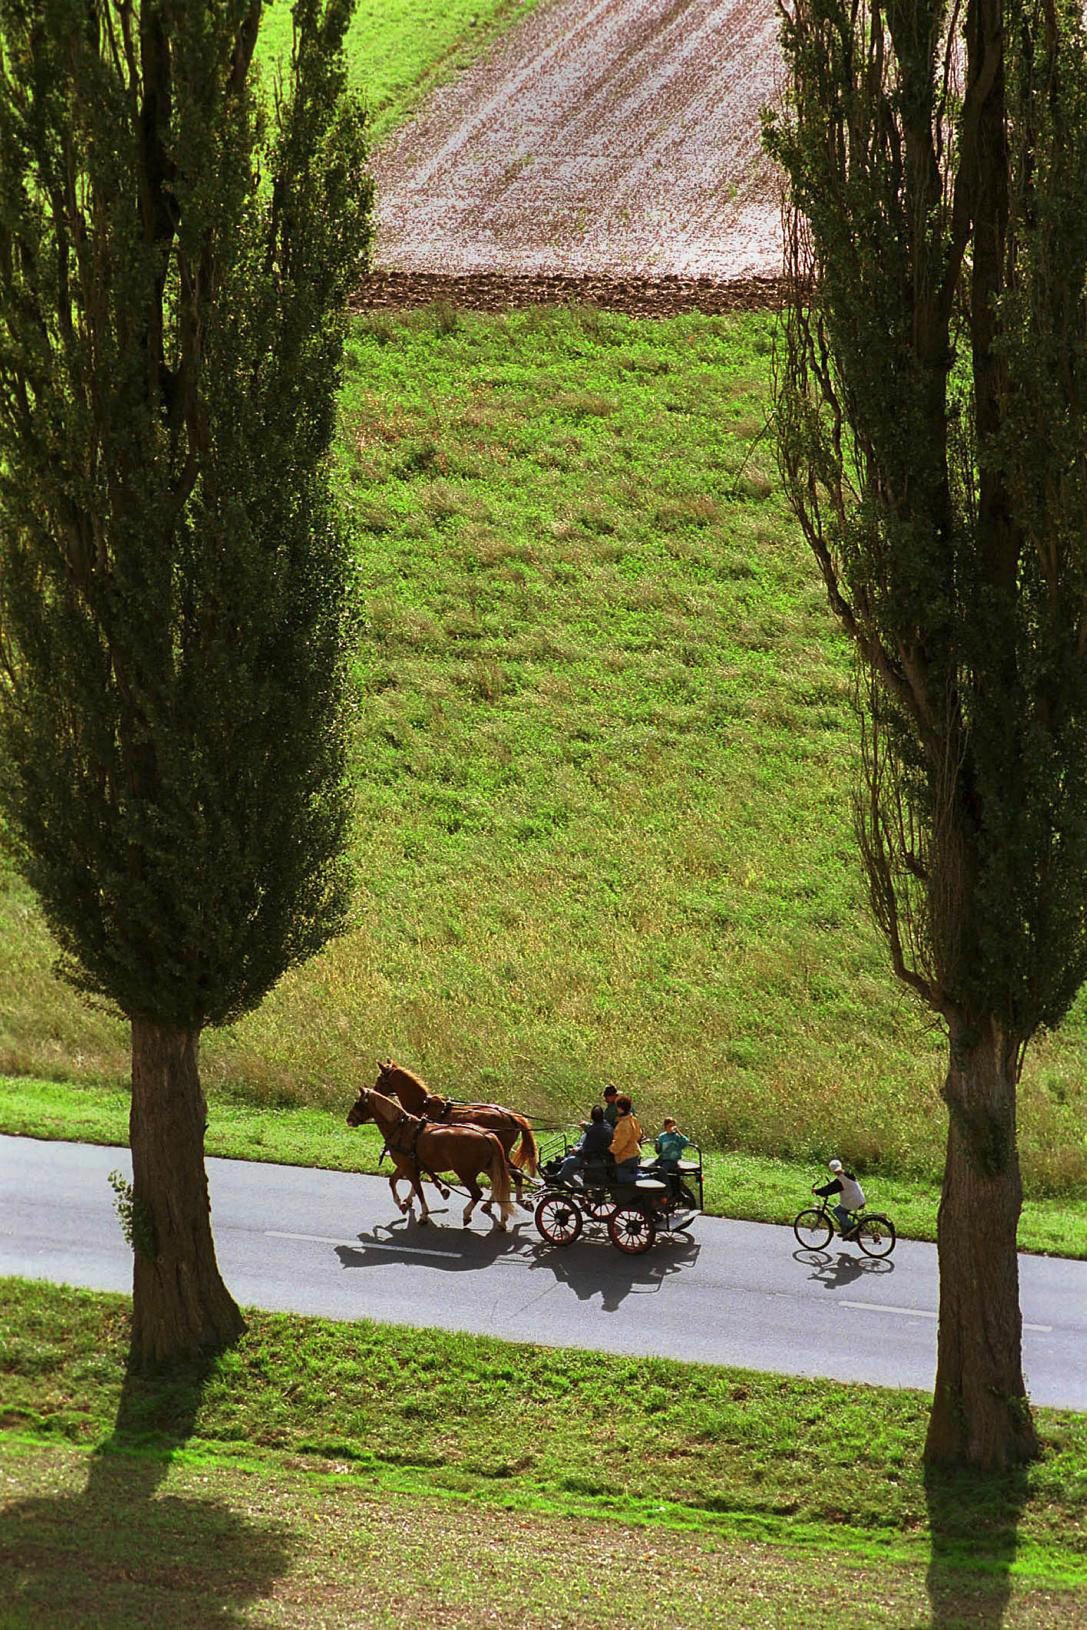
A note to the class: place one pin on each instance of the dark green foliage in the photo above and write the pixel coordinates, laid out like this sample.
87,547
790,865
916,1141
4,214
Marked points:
935,444
173,269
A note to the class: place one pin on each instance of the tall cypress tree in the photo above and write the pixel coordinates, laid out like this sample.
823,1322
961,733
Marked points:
932,401
176,248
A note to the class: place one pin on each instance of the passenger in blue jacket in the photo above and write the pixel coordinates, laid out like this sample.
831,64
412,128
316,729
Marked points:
593,1144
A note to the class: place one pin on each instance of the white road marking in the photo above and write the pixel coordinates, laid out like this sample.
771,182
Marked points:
355,1244
376,1245
923,1313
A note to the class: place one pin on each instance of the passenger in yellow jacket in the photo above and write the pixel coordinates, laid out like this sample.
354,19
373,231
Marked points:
626,1140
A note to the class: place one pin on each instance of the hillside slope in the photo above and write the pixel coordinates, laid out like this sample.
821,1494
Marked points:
602,760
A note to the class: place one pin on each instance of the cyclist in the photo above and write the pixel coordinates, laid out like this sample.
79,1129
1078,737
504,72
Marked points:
852,1196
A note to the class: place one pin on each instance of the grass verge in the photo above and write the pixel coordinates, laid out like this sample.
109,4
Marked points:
386,1419
752,1187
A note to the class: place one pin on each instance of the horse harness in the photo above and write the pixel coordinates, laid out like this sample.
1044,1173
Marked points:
411,1151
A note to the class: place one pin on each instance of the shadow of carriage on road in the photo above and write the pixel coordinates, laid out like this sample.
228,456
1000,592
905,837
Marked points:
592,1267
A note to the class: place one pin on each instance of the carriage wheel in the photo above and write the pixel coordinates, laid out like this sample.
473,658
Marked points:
598,1204
558,1219
812,1229
631,1229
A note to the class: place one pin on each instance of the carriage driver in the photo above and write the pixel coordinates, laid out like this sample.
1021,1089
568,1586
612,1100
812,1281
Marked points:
593,1144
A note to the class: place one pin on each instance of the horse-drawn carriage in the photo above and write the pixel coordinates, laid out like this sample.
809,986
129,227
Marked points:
426,1135
658,1200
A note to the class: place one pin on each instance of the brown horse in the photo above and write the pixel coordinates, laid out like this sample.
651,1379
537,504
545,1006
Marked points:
418,1146
397,1082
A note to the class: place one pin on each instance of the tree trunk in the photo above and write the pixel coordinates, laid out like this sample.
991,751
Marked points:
980,1415
180,1304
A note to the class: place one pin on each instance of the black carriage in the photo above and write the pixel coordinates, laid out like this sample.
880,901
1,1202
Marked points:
658,1200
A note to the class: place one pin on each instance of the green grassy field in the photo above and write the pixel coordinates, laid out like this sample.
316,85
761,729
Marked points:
398,50
602,758
524,1465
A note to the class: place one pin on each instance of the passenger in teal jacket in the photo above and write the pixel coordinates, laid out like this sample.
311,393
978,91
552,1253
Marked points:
670,1144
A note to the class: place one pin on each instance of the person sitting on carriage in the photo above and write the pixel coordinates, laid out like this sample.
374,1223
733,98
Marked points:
626,1141
670,1145
593,1144
611,1094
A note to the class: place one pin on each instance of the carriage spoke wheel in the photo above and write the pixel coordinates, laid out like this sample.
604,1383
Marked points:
812,1230
558,1219
631,1229
876,1235
598,1204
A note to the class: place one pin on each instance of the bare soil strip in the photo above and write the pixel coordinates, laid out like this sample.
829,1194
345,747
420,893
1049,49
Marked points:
611,139
638,296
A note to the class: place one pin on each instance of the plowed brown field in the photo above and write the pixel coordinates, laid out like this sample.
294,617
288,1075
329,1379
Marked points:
615,142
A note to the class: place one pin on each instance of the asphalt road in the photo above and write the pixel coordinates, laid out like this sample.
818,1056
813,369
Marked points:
331,1243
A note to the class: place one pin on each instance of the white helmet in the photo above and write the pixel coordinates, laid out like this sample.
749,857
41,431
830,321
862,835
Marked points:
834,1165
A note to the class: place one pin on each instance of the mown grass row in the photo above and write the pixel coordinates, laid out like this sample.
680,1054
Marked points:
121,1539
603,761
646,1441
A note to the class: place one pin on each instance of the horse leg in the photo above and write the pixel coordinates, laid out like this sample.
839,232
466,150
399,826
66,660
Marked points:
417,1187
401,1205
475,1195
499,1220
517,1178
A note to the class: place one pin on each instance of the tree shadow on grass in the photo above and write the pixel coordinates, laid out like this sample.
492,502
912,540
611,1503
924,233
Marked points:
974,1529
123,1554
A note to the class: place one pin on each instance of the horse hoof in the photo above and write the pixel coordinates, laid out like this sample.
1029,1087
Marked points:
423,1220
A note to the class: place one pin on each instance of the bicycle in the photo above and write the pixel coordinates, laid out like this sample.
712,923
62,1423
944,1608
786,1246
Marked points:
874,1233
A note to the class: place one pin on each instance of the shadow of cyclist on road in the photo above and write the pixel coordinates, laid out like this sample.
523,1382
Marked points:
847,1270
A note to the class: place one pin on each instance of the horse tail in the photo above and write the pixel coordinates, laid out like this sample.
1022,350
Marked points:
526,1155
500,1175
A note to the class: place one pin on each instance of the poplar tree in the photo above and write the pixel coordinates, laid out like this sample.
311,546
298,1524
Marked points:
177,243
931,398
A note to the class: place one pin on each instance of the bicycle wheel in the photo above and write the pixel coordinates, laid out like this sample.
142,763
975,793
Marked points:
812,1229
558,1219
631,1229
876,1235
